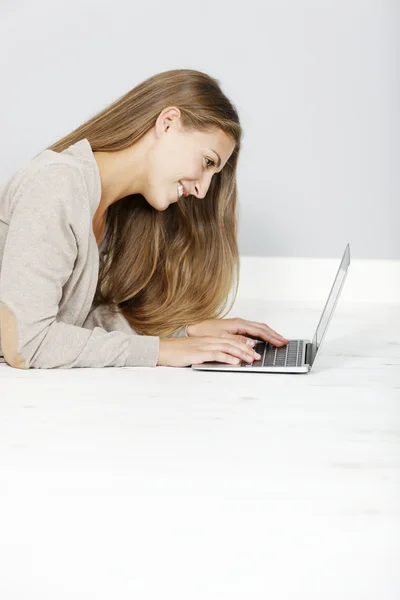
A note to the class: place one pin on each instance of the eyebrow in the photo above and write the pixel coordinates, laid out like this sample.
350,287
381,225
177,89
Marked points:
219,158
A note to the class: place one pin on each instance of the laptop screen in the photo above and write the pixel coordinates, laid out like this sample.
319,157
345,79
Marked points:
330,303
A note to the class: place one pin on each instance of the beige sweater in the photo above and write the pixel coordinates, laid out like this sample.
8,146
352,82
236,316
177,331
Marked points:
49,264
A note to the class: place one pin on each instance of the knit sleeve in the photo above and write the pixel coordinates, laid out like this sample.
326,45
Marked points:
39,255
102,316
178,333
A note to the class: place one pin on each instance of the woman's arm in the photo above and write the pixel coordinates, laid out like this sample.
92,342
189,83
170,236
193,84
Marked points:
39,256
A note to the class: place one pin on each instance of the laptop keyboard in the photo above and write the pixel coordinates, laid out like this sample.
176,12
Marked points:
272,356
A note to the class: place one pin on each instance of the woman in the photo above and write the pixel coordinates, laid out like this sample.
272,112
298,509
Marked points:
118,243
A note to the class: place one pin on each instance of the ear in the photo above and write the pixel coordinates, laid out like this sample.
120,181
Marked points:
167,117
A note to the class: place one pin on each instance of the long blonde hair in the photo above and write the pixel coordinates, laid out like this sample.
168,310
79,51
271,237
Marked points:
165,269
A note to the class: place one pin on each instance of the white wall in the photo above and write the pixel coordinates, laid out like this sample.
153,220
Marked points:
316,85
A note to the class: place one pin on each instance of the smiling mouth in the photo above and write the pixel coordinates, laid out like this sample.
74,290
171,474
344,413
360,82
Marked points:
181,191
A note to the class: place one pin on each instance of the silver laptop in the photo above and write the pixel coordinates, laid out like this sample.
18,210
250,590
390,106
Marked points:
298,356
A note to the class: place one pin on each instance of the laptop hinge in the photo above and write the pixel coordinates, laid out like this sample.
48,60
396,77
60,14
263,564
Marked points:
308,353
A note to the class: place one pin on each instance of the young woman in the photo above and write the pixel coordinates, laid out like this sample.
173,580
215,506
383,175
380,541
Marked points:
118,243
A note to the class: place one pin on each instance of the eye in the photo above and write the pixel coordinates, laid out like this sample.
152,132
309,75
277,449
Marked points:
211,161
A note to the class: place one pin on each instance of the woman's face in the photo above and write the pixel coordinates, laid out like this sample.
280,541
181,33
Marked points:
190,158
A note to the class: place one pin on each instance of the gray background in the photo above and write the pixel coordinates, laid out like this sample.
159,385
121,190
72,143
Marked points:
316,85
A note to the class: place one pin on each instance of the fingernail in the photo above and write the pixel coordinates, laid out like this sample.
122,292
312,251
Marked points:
251,343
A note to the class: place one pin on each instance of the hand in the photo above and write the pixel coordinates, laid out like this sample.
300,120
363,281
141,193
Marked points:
183,352
237,329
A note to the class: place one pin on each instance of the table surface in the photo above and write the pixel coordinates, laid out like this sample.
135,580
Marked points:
173,483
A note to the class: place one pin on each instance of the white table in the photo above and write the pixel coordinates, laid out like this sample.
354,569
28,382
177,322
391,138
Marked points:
155,483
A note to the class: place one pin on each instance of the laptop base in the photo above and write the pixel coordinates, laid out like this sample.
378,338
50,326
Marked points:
303,367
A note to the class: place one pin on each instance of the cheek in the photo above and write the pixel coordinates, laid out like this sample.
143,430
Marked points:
191,170
161,166
170,167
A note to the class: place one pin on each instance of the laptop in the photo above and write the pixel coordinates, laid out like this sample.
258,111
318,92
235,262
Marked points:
298,356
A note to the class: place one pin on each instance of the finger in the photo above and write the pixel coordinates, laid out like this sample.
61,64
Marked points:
263,332
222,358
268,330
234,348
241,338
248,327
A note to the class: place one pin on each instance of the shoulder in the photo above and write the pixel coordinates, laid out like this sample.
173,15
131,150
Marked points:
49,178
66,181
51,168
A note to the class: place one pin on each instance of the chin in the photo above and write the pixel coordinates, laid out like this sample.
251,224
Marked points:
162,207
158,205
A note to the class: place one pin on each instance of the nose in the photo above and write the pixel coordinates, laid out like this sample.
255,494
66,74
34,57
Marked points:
201,189
197,193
